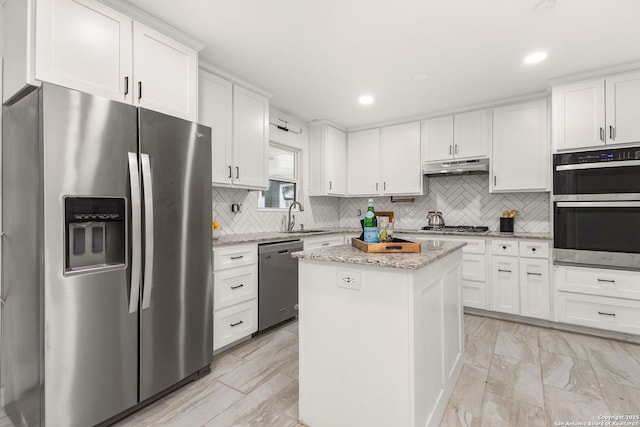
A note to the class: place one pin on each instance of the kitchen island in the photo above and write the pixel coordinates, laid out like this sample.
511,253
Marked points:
381,335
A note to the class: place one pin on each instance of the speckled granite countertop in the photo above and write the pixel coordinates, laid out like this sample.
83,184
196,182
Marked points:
431,252
237,239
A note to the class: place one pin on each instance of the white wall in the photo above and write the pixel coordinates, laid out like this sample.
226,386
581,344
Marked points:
319,212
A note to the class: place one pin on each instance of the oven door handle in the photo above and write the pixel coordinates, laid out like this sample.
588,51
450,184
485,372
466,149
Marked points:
597,165
624,204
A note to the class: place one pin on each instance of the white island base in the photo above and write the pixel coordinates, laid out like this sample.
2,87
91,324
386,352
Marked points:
379,346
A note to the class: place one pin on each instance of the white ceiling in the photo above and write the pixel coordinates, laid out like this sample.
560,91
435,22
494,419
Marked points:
318,56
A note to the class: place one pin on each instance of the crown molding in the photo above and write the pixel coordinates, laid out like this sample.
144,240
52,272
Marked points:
153,22
594,73
208,67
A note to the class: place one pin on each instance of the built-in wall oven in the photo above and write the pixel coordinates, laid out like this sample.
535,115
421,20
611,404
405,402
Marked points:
597,208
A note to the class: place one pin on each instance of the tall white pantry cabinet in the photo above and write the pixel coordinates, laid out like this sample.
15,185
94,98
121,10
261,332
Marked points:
88,46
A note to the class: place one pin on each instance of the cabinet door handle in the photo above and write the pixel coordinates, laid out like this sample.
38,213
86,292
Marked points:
139,90
612,133
229,171
504,271
237,257
236,324
376,186
534,274
384,185
237,286
606,280
126,86
456,149
451,149
495,180
330,185
237,172
602,134
604,313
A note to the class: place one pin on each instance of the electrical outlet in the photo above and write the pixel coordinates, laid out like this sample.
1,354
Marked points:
349,280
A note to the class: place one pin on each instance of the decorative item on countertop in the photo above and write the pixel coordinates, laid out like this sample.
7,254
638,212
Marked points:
394,246
370,224
216,231
385,225
506,221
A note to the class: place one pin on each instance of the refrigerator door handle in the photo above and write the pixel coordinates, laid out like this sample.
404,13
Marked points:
148,230
136,230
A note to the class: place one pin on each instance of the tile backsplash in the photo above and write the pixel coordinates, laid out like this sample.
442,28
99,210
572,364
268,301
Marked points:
463,200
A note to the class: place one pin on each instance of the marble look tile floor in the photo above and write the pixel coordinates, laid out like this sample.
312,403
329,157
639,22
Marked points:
515,375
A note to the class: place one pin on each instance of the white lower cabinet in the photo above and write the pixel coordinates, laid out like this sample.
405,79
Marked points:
505,287
534,288
599,298
235,293
323,241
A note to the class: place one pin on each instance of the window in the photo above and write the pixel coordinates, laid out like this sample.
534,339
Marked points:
283,179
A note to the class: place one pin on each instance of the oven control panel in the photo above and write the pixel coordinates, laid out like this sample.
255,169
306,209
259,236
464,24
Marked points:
621,154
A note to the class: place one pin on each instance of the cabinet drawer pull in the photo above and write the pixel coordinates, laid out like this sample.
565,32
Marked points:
139,90
504,271
533,249
604,313
534,274
237,286
237,257
236,324
606,280
325,244
504,248
126,86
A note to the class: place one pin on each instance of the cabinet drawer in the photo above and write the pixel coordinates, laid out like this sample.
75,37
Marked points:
234,285
534,249
234,256
505,247
595,281
474,246
598,312
325,242
235,322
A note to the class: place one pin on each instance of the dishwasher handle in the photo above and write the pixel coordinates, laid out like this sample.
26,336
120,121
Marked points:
279,247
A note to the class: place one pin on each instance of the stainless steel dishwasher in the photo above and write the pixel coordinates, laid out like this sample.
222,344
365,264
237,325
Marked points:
277,282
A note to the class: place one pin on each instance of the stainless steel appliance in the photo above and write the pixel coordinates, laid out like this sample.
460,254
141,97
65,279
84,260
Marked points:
597,208
106,257
277,282
456,167
435,219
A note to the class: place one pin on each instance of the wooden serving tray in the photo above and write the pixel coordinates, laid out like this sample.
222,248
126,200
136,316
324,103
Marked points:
394,246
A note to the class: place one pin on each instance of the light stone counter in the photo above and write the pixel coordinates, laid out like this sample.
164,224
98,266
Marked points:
431,252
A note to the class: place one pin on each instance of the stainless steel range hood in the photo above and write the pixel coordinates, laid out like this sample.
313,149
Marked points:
456,167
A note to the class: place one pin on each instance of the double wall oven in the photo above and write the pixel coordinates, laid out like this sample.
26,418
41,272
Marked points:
597,208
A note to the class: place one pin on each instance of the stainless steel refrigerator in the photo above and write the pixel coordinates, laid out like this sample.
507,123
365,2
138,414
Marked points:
106,257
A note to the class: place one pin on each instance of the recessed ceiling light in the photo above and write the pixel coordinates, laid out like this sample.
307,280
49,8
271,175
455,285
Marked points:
420,77
535,57
366,99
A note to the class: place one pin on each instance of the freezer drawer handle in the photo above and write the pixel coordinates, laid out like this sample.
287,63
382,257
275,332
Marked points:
237,286
136,231
236,324
148,232
237,257
604,313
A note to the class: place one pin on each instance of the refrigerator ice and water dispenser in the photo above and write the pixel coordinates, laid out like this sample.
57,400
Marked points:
95,232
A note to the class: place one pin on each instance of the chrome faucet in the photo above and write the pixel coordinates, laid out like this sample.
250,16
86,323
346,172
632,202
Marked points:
291,220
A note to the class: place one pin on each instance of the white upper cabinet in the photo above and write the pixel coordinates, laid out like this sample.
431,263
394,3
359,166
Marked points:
165,73
363,163
400,159
327,161
84,45
215,109
239,119
461,136
520,148
88,46
623,108
578,115
591,113
250,139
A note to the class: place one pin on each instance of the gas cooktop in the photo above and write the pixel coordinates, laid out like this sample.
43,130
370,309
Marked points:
460,228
